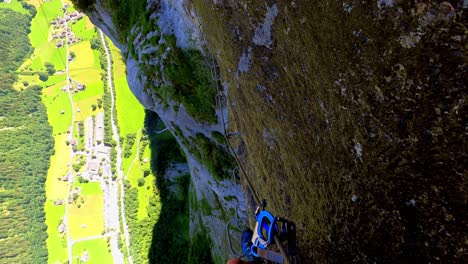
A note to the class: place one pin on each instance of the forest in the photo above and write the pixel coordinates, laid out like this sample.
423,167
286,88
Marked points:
25,150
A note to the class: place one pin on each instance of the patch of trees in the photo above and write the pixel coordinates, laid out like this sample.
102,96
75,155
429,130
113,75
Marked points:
83,4
50,68
23,164
31,9
43,76
95,43
193,84
129,142
14,41
25,151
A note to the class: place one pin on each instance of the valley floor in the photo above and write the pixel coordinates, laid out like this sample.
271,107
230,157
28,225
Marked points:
84,187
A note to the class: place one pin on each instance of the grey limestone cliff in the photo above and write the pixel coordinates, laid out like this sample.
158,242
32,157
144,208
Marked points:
145,49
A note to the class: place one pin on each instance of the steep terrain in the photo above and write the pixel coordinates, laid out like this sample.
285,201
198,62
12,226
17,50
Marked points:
348,115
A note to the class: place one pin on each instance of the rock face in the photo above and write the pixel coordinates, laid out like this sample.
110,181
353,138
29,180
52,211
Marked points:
175,20
351,116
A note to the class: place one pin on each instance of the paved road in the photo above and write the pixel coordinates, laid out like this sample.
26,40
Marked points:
116,137
70,138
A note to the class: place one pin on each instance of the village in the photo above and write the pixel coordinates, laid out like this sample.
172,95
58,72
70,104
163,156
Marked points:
91,164
62,31
75,86
92,161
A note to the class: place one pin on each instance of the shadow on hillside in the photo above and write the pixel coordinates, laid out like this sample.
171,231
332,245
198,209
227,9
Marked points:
170,240
171,236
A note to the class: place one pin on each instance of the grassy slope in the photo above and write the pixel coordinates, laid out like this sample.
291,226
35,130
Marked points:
97,250
45,50
325,96
15,6
55,101
56,242
130,116
132,120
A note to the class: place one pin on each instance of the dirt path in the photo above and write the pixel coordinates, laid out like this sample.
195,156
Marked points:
116,137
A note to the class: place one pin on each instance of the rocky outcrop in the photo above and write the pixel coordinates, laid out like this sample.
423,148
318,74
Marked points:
146,50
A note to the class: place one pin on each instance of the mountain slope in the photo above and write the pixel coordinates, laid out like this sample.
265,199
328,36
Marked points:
25,149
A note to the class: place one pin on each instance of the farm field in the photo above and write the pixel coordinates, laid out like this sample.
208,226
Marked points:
96,249
85,216
86,213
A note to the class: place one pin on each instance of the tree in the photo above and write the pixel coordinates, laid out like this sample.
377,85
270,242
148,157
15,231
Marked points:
43,76
50,68
82,180
77,167
83,5
141,182
93,106
95,43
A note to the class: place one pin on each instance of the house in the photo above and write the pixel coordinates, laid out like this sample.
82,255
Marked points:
65,178
61,228
80,86
59,43
94,166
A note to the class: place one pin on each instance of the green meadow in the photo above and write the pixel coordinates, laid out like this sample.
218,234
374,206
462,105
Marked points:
85,214
127,103
85,217
131,115
97,250
15,6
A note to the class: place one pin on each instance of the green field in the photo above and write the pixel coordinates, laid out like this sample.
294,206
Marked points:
97,249
83,29
14,5
131,116
56,242
57,101
132,120
40,25
56,189
85,214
